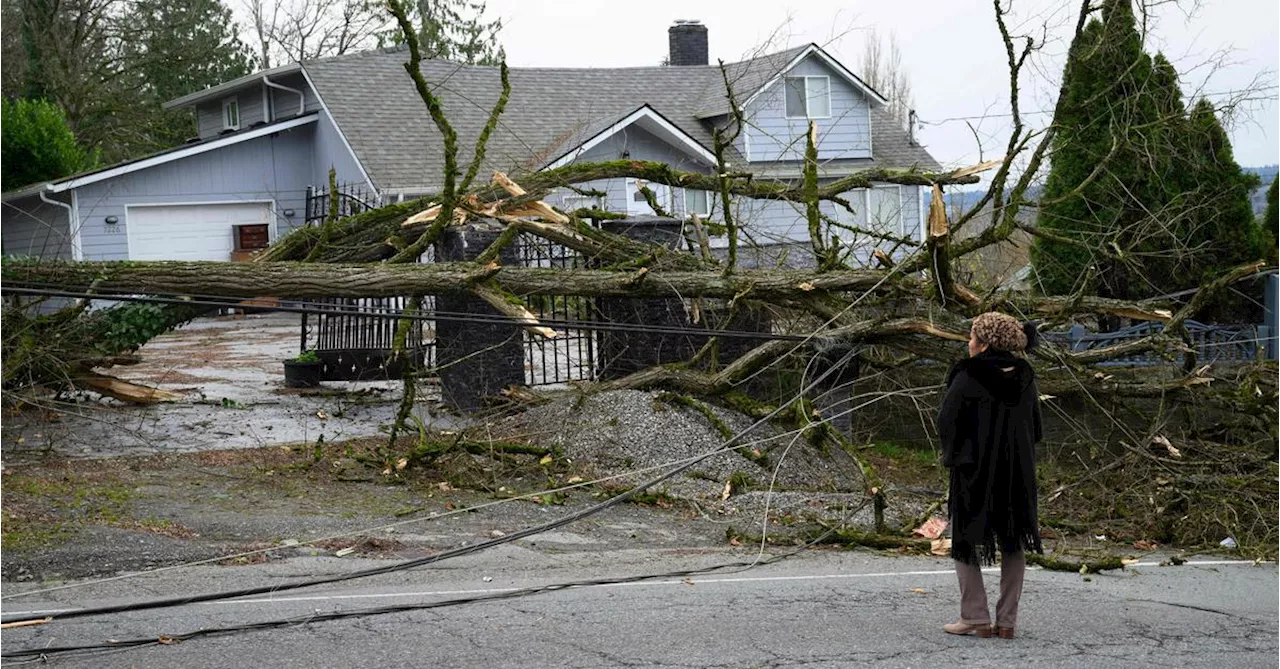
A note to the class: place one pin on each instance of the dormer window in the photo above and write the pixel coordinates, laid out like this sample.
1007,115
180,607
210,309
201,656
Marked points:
808,97
231,114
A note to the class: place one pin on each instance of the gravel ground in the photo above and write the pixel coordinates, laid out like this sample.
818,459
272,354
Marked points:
623,431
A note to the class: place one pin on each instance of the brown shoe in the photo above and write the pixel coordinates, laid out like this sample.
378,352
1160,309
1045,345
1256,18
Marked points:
1004,632
961,628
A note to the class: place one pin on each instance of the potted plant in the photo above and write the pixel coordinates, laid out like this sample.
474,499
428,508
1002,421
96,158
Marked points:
303,371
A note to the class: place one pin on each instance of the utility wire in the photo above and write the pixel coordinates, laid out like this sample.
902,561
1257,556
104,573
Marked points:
728,445
369,312
30,654
456,552
437,516
980,117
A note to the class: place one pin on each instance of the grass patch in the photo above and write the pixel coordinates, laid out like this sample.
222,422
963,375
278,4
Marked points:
44,511
907,454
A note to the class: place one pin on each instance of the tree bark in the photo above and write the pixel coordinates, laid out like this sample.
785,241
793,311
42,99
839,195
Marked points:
315,280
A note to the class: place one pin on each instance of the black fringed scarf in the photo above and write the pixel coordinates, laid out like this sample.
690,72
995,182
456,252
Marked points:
989,425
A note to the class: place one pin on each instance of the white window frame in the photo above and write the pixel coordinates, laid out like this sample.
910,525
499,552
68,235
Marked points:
228,104
572,201
689,211
807,95
872,223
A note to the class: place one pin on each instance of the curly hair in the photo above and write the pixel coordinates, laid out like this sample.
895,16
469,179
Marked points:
1000,332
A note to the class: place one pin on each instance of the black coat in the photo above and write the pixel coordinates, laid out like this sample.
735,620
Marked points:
989,425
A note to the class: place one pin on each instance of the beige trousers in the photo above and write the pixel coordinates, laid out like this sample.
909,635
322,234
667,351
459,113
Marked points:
973,596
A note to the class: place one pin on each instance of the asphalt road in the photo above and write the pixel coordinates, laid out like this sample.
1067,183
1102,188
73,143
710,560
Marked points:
819,609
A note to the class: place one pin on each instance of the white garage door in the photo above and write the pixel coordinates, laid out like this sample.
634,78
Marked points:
189,231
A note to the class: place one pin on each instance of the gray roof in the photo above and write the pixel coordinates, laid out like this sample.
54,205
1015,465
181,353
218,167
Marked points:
550,111
745,77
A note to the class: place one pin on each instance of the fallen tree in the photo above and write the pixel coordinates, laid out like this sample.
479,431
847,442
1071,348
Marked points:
910,307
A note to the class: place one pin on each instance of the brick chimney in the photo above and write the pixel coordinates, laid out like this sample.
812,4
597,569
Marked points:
688,43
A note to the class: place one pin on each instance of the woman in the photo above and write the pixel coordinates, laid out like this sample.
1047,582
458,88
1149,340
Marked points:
988,426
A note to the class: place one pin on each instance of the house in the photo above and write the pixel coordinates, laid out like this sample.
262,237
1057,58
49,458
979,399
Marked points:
267,138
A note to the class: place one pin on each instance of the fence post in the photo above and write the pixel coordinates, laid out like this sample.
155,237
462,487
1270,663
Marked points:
621,352
1076,337
1270,328
475,360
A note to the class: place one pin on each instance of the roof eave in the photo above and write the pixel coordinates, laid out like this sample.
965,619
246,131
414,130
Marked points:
26,191
178,153
689,144
227,86
872,94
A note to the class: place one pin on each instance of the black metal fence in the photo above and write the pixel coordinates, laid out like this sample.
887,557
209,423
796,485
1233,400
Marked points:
571,355
353,198
1217,344
356,342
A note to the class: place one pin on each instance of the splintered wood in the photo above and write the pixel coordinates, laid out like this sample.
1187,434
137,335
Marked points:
126,391
471,205
498,300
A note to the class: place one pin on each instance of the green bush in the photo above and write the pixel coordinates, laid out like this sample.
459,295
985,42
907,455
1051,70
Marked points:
36,144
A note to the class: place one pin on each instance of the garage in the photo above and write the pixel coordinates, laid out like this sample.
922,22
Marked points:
194,231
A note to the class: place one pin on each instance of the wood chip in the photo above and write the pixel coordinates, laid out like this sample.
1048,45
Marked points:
938,226
505,182
517,311
541,210
975,169
126,391
425,216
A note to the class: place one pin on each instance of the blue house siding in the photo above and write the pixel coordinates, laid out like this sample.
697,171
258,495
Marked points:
276,168
331,151
639,144
779,222
771,136
209,121
32,227
284,104
258,103
764,222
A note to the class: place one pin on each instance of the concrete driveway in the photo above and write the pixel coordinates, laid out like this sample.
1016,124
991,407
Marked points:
228,370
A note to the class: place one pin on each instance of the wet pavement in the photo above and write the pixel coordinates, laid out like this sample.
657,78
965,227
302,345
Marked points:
229,371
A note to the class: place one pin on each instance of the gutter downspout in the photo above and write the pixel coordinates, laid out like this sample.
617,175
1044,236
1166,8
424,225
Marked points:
302,98
73,225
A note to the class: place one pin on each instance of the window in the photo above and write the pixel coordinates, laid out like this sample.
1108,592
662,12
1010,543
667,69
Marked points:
230,114
576,201
697,202
884,206
808,97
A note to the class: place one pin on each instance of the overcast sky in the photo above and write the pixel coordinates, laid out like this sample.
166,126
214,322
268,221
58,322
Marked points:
951,50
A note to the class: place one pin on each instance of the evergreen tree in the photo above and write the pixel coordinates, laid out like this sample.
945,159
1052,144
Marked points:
1104,100
179,47
1221,228
454,30
1170,208
1271,219
35,14
36,144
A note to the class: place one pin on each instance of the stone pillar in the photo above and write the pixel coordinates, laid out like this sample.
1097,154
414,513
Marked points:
475,360
621,352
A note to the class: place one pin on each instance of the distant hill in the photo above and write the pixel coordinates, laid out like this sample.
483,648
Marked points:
965,199
1268,174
